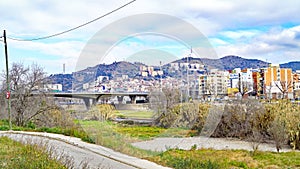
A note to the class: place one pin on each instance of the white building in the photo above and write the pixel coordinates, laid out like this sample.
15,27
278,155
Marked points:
53,87
241,79
214,85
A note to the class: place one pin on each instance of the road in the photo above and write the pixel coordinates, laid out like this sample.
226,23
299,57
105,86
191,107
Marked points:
81,152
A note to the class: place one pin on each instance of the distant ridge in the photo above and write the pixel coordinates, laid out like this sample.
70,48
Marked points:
293,65
231,62
227,62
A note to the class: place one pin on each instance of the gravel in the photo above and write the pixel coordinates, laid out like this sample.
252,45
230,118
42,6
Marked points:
163,144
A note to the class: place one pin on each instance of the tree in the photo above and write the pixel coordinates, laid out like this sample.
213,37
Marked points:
269,91
209,89
244,87
278,132
284,87
164,99
24,82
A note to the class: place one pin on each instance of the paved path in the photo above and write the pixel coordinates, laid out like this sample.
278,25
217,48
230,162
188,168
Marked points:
81,152
162,144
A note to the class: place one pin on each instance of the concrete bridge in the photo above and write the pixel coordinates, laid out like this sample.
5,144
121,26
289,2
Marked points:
93,98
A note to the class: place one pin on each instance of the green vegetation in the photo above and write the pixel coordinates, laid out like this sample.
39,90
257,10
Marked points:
135,114
75,131
16,155
105,134
245,119
208,158
137,133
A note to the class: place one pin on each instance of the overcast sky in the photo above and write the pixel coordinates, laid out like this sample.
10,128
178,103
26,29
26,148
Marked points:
267,29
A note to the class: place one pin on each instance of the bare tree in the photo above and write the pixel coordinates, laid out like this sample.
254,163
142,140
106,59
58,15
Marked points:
24,82
244,87
209,90
269,92
164,99
284,87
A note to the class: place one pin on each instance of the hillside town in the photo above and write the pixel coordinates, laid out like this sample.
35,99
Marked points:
201,83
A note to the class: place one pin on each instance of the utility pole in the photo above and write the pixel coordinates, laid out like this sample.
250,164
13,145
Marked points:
187,76
160,77
7,81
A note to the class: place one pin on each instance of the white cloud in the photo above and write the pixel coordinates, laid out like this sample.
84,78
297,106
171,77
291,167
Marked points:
232,26
61,49
277,45
240,34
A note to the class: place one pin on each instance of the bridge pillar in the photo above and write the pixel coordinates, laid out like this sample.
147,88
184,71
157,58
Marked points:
120,99
133,99
94,101
88,101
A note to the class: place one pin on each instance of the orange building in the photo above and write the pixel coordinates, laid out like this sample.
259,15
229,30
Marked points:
278,82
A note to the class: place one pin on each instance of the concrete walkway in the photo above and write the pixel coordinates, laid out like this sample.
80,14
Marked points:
81,152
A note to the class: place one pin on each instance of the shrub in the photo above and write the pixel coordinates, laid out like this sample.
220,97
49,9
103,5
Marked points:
288,118
101,112
184,115
239,119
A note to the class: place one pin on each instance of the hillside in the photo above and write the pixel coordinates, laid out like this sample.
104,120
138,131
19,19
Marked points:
117,69
226,63
231,62
293,65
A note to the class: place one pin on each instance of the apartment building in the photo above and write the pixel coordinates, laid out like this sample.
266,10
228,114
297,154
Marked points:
277,82
240,82
213,85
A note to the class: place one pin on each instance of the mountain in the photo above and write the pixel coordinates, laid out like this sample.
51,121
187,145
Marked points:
226,63
231,62
293,65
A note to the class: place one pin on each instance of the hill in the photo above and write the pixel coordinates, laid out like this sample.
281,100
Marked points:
293,65
226,63
231,62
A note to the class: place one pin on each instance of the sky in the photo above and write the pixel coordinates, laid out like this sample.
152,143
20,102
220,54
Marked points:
268,30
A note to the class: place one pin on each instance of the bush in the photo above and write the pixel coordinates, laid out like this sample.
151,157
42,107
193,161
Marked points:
240,119
184,115
101,112
287,116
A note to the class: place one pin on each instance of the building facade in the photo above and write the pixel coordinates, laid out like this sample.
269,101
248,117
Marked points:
213,85
277,82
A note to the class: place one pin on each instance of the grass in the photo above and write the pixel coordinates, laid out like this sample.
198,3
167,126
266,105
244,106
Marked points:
137,133
16,155
119,137
135,114
105,134
208,158
75,131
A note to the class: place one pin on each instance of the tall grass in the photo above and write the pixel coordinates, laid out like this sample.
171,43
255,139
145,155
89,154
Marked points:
105,134
17,155
208,158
